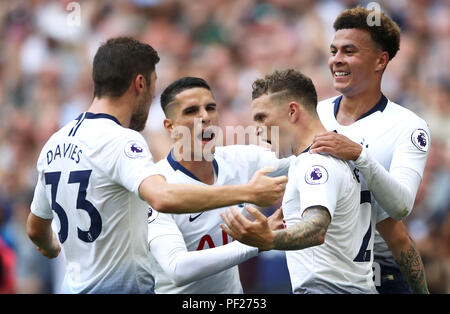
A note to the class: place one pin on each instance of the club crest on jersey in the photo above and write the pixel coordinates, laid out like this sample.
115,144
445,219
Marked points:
420,139
135,149
316,175
152,214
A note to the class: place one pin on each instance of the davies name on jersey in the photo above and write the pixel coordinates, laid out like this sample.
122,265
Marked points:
69,150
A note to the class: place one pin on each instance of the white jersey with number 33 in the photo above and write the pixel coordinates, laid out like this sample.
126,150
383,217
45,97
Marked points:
89,176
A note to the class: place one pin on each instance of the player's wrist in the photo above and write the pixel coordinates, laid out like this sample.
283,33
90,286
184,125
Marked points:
362,157
247,194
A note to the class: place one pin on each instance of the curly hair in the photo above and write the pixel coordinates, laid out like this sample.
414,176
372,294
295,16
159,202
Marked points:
386,35
287,85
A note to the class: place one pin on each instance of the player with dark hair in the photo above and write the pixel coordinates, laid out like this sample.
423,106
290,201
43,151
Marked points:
190,253
97,175
388,143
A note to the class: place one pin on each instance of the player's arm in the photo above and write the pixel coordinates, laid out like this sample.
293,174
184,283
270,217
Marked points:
183,266
310,231
40,232
405,253
185,198
395,191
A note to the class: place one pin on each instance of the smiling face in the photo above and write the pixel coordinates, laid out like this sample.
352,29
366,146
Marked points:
196,110
267,112
356,63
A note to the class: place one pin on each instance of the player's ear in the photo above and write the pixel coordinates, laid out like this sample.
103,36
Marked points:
139,84
293,111
382,61
168,125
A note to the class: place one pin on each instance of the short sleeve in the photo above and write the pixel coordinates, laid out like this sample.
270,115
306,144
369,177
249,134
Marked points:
130,161
318,183
40,206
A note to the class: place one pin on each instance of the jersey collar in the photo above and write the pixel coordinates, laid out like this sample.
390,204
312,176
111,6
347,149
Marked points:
380,106
90,115
177,166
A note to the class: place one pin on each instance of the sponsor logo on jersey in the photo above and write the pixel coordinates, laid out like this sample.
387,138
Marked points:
152,214
420,139
316,175
135,149
191,219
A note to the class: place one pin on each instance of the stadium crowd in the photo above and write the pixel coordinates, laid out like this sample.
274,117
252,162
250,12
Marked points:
45,81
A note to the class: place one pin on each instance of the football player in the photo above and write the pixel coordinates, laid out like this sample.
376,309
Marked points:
388,142
321,204
190,253
97,175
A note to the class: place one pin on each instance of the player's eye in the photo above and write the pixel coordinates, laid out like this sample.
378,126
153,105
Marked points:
259,118
190,110
211,107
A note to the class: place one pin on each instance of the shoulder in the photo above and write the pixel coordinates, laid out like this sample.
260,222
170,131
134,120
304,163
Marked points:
241,152
325,111
326,105
317,168
163,166
404,116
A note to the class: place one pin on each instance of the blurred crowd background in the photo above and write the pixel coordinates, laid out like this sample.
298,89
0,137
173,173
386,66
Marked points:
46,55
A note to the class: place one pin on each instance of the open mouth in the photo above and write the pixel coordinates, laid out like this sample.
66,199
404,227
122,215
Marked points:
338,74
206,135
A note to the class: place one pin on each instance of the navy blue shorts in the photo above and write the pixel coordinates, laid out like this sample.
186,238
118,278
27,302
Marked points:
392,282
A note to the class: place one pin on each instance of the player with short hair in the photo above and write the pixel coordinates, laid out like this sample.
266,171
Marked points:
97,175
321,204
190,253
388,143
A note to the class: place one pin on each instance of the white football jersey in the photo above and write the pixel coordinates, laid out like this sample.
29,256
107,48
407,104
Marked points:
234,164
341,264
89,176
394,136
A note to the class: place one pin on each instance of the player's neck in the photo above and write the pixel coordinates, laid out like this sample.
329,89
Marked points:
306,135
113,107
351,108
203,169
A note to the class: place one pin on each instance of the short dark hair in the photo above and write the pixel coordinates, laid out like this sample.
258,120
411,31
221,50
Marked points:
118,61
288,84
386,35
171,91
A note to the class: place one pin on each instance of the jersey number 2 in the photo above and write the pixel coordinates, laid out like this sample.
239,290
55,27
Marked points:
81,177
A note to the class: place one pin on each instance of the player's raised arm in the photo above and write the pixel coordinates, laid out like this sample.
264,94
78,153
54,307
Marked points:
394,190
185,198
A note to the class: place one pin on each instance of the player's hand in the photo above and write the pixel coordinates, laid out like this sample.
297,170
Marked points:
275,220
266,191
53,251
256,233
336,145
